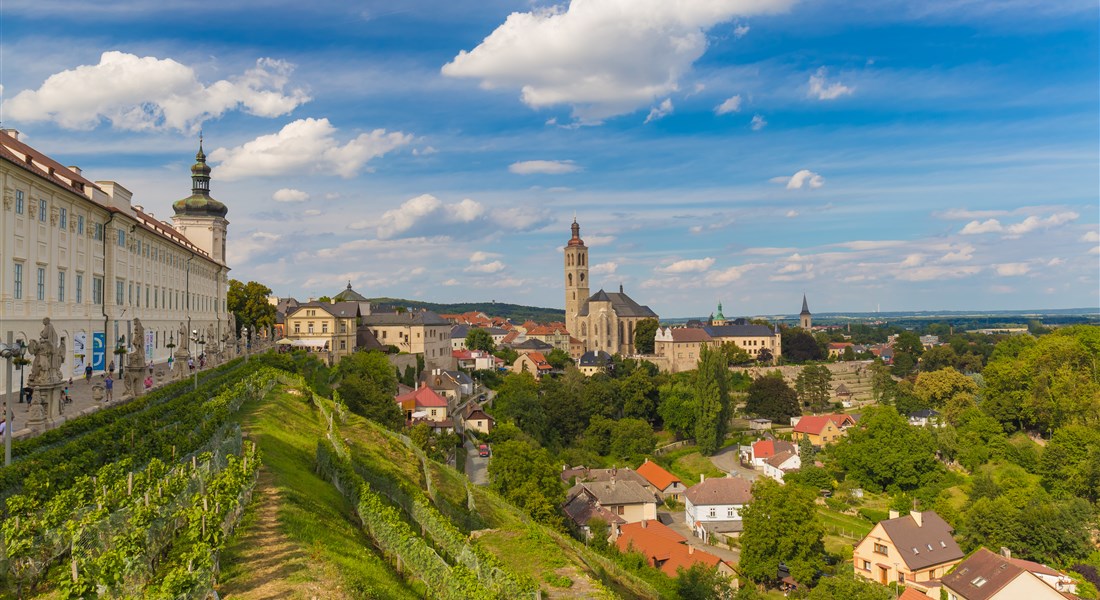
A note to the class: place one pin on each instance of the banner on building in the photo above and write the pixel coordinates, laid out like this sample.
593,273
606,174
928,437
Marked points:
99,351
149,347
80,353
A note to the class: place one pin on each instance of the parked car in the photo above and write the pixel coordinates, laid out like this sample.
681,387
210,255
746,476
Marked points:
483,450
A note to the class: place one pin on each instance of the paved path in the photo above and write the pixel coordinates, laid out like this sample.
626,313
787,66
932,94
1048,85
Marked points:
477,467
728,460
82,404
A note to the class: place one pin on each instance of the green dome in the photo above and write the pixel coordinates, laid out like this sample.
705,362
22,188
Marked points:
200,203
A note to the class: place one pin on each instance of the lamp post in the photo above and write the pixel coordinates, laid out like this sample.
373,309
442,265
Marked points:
10,351
244,334
195,339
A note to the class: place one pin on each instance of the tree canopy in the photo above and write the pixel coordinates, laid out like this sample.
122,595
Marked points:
712,400
644,333
813,387
885,452
479,339
781,526
770,397
526,476
248,303
367,384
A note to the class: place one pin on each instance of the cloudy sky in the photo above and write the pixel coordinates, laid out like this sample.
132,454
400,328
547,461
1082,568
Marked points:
941,154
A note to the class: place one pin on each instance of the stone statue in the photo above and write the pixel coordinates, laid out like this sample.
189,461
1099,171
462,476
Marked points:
48,355
184,338
139,335
232,324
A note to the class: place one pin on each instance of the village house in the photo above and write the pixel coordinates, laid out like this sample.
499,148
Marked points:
328,330
532,362
665,484
762,450
821,429
988,576
627,501
667,550
477,419
452,385
593,362
713,506
423,403
912,548
782,463
414,332
476,360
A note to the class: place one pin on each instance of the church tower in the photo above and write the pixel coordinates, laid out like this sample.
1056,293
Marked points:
576,280
804,320
199,217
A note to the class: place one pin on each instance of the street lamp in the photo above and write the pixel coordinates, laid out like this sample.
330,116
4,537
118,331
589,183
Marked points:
244,334
195,339
11,351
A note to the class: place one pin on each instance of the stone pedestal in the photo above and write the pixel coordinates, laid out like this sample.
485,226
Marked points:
179,365
46,409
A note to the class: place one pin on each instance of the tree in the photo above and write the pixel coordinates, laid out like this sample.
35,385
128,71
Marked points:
479,339
770,397
631,440
735,355
518,399
368,385
813,388
910,343
526,476
678,408
938,357
700,582
325,300
712,400
884,451
248,303
849,354
781,526
644,332
558,358
946,389
639,396
849,587
799,346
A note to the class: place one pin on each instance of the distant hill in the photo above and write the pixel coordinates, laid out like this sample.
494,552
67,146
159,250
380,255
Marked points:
517,313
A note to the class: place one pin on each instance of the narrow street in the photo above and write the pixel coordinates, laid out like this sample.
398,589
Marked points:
477,467
727,460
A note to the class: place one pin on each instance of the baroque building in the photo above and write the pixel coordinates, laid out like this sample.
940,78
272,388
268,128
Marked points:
605,320
84,255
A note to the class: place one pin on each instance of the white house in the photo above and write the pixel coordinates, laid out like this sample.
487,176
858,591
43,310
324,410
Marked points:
780,464
713,506
762,450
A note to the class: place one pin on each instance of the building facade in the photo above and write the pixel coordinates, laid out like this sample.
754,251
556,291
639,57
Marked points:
84,255
328,329
414,332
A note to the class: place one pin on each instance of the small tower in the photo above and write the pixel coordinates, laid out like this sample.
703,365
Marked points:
576,279
804,318
719,319
199,217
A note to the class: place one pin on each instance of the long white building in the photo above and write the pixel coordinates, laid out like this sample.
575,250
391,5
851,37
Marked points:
82,254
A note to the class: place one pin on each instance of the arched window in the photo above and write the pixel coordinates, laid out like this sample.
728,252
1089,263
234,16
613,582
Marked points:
569,278
622,338
582,277
584,329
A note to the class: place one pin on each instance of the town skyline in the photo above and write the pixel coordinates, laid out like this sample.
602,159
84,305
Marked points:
944,159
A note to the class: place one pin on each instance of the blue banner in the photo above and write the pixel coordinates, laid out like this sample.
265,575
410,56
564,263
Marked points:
99,351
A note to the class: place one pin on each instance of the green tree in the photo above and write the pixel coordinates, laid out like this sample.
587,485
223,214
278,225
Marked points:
799,346
644,332
558,358
518,399
563,403
325,300
639,396
813,387
849,587
712,400
909,343
479,339
678,408
883,385
631,440
526,476
735,355
884,451
781,526
849,354
770,397
700,582
947,390
248,303
368,385
938,357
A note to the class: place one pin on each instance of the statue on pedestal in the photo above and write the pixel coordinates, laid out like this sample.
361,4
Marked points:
49,353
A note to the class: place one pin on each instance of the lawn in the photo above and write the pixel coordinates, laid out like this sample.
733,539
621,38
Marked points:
845,525
689,466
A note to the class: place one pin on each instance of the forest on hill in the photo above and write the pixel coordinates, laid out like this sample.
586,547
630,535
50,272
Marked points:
517,313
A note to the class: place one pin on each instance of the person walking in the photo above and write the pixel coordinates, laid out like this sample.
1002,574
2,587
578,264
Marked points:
3,425
111,367
88,373
109,386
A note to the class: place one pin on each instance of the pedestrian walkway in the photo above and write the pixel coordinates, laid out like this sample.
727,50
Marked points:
82,401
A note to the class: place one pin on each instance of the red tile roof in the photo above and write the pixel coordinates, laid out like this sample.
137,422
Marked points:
912,594
424,397
813,424
540,361
654,474
662,547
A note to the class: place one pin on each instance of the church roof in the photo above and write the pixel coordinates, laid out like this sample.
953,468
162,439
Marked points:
805,307
349,295
623,305
200,203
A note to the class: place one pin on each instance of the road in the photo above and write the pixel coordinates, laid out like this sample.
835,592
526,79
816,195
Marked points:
728,461
477,467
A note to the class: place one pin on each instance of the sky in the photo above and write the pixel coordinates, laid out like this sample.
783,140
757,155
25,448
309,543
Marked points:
888,155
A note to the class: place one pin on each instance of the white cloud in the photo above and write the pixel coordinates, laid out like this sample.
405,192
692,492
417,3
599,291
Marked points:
426,209
697,265
1095,250
147,93
305,145
725,276
1028,225
428,216
451,282
313,212
425,151
804,177
758,122
823,90
491,267
607,268
598,240
547,167
961,253
729,105
601,58
239,249
1091,236
930,273
660,111
962,213
1054,262
1012,269
791,214
913,260
479,256
289,195
740,31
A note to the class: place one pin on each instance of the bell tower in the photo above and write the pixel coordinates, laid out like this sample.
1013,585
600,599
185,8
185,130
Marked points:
805,319
199,217
576,280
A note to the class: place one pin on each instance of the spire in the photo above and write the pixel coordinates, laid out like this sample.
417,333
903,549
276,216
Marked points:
200,203
576,239
620,287
720,316
805,307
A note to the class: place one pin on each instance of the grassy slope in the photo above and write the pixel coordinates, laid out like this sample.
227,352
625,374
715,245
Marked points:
313,548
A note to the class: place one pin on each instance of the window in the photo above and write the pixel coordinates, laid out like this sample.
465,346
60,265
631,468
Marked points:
18,281
324,327
731,513
121,238
98,232
42,210
343,344
139,294
130,294
139,246
61,286
866,565
297,327
18,202
146,296
79,288
63,219
881,549
712,513
978,581
120,291
80,224
97,290
41,283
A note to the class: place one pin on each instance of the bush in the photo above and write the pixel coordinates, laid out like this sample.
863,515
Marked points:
873,515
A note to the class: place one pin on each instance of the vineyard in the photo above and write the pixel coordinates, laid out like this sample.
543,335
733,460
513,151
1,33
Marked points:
133,501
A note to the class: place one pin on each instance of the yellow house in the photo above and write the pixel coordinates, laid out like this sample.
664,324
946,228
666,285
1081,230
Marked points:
325,329
822,429
916,547
414,332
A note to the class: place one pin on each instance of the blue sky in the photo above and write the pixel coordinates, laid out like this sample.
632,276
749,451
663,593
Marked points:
897,155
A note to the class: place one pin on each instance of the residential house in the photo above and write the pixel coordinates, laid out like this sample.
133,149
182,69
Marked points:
533,363
554,334
782,463
594,361
625,500
755,340
843,395
664,483
821,429
836,349
452,385
414,332
988,576
667,550
680,347
1052,577
924,417
477,419
423,403
476,360
713,506
576,348
532,345
460,331
916,547
760,424
762,450
328,329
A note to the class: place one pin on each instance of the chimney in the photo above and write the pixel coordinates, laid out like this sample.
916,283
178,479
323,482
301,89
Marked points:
691,549
1005,552
645,525
75,169
702,477
894,514
12,133
918,517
